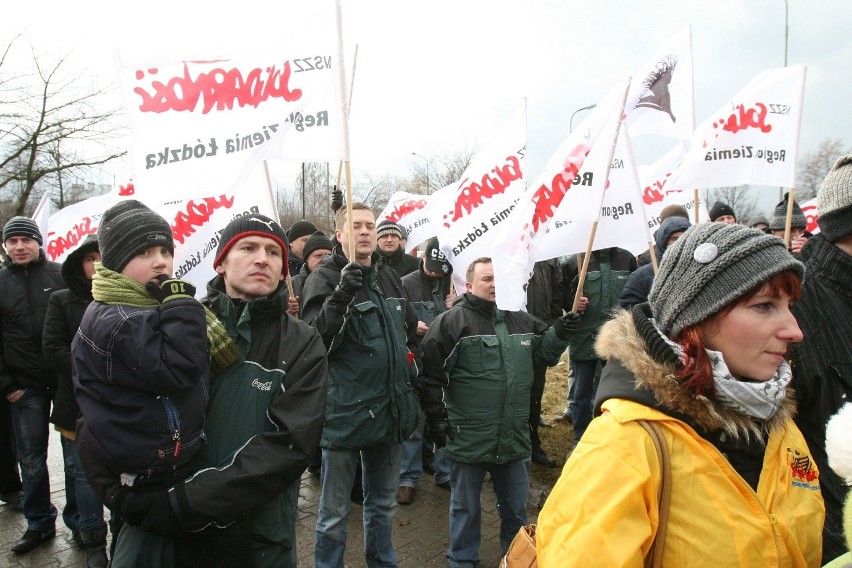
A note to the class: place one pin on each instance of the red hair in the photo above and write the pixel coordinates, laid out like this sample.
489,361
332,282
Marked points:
696,375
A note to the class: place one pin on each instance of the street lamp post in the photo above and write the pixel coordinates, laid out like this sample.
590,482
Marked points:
786,32
571,122
427,169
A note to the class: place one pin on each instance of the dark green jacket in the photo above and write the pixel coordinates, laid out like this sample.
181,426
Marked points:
482,358
263,422
606,276
370,337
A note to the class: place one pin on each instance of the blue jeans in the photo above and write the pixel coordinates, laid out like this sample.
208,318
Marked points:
511,486
30,416
91,510
70,513
584,394
412,458
380,467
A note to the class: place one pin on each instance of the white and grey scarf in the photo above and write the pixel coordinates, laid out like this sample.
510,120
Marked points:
760,400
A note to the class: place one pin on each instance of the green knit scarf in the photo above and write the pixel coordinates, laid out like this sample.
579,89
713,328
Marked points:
112,287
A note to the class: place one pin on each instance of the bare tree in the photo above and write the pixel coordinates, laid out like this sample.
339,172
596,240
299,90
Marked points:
51,124
743,204
814,166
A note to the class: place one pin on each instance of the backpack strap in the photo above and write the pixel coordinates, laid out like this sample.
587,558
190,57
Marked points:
655,554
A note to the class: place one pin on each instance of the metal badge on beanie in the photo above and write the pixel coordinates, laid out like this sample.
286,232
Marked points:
710,266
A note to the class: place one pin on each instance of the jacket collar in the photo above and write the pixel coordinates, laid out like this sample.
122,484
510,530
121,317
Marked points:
823,260
260,309
621,339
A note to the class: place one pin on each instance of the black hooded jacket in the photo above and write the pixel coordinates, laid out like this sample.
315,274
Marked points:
65,310
638,285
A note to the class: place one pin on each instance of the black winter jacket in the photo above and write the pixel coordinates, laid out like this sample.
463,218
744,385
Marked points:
140,378
400,261
64,314
546,291
822,368
24,294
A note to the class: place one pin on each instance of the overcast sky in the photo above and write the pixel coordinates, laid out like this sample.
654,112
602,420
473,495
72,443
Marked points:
435,77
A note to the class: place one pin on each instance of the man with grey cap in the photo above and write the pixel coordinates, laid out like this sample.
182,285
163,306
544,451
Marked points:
822,363
798,224
26,283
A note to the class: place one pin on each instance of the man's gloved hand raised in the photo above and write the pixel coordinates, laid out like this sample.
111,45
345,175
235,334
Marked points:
439,431
336,199
170,289
351,279
566,326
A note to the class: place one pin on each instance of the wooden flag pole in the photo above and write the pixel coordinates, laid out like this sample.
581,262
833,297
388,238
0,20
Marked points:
348,110
277,219
788,223
695,200
350,228
653,256
587,256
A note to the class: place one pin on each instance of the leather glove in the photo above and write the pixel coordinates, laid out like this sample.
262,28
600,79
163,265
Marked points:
351,279
336,199
170,289
150,510
439,431
566,326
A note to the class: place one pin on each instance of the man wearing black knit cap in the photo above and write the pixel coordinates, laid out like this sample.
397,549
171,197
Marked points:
723,213
263,422
822,363
297,236
26,283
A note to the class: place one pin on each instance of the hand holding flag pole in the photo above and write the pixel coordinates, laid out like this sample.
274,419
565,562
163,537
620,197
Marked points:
587,256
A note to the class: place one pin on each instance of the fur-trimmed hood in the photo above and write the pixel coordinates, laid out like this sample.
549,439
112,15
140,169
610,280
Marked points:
643,371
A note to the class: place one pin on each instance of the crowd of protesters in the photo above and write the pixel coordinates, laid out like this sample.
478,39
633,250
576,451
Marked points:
704,374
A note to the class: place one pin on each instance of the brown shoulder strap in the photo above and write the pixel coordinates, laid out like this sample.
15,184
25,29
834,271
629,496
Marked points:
655,555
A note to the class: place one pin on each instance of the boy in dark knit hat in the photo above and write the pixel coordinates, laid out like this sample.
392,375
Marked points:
140,357
821,363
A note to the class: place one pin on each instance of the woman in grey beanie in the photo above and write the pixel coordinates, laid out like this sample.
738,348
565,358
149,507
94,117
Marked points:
702,369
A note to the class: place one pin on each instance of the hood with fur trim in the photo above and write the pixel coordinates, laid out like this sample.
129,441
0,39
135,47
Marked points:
642,367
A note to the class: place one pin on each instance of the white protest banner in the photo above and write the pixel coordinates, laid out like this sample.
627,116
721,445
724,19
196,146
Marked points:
660,100
69,227
657,193
621,223
410,211
466,214
753,139
204,121
197,224
560,186
811,210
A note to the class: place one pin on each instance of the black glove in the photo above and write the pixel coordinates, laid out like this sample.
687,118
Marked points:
351,279
566,326
336,199
170,289
150,510
438,431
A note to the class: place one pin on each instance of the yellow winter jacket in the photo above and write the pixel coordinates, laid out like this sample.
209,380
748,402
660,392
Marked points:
603,511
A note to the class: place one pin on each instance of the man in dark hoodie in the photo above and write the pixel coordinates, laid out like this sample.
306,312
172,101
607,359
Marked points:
639,283
64,312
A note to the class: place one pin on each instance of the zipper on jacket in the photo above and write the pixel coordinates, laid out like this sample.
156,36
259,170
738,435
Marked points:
174,426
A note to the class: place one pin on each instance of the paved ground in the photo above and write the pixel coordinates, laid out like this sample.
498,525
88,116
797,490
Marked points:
420,530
